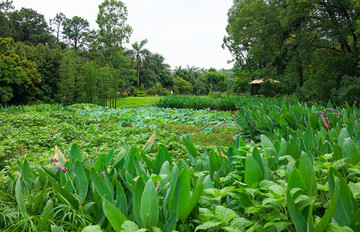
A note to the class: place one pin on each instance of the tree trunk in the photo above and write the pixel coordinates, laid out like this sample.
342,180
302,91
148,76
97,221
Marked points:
138,75
300,71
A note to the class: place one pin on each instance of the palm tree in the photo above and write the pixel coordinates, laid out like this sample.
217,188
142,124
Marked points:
157,63
139,54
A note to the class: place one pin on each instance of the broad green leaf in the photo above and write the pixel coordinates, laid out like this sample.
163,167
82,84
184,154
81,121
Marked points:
296,180
190,147
293,150
310,219
225,214
66,197
321,226
162,156
149,206
100,185
48,210
109,157
257,157
306,169
40,197
113,214
295,214
81,181
75,153
337,152
54,228
192,201
129,226
27,173
355,221
20,196
139,169
281,152
266,142
129,161
46,216
213,162
253,172
52,176
99,162
350,152
96,228
151,167
180,193
346,205
342,136
170,224
207,225
208,183
308,139
138,191
121,200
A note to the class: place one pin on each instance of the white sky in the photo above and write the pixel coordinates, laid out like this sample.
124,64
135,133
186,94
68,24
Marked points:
185,32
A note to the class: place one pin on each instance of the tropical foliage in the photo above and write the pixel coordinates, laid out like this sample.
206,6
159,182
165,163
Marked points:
295,168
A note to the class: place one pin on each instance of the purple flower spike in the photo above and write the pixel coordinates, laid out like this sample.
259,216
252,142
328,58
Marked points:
325,120
64,170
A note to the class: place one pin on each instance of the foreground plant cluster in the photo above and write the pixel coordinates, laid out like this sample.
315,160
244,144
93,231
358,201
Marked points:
292,167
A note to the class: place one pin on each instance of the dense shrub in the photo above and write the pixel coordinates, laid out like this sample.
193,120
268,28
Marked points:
140,94
349,90
181,86
241,84
197,102
158,89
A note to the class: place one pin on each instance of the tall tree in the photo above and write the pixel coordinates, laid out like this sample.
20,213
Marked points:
90,76
213,78
157,63
57,23
291,38
139,54
76,30
18,77
6,7
113,28
68,74
30,27
47,64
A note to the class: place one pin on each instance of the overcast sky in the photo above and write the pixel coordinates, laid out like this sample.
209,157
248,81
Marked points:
185,32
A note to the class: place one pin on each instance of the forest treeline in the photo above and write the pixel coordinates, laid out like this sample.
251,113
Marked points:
66,61
311,47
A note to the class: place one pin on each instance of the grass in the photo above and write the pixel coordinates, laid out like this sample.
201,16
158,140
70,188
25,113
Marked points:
134,102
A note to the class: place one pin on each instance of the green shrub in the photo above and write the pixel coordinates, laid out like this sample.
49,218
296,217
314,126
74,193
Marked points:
181,86
158,89
197,102
349,91
140,94
223,86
